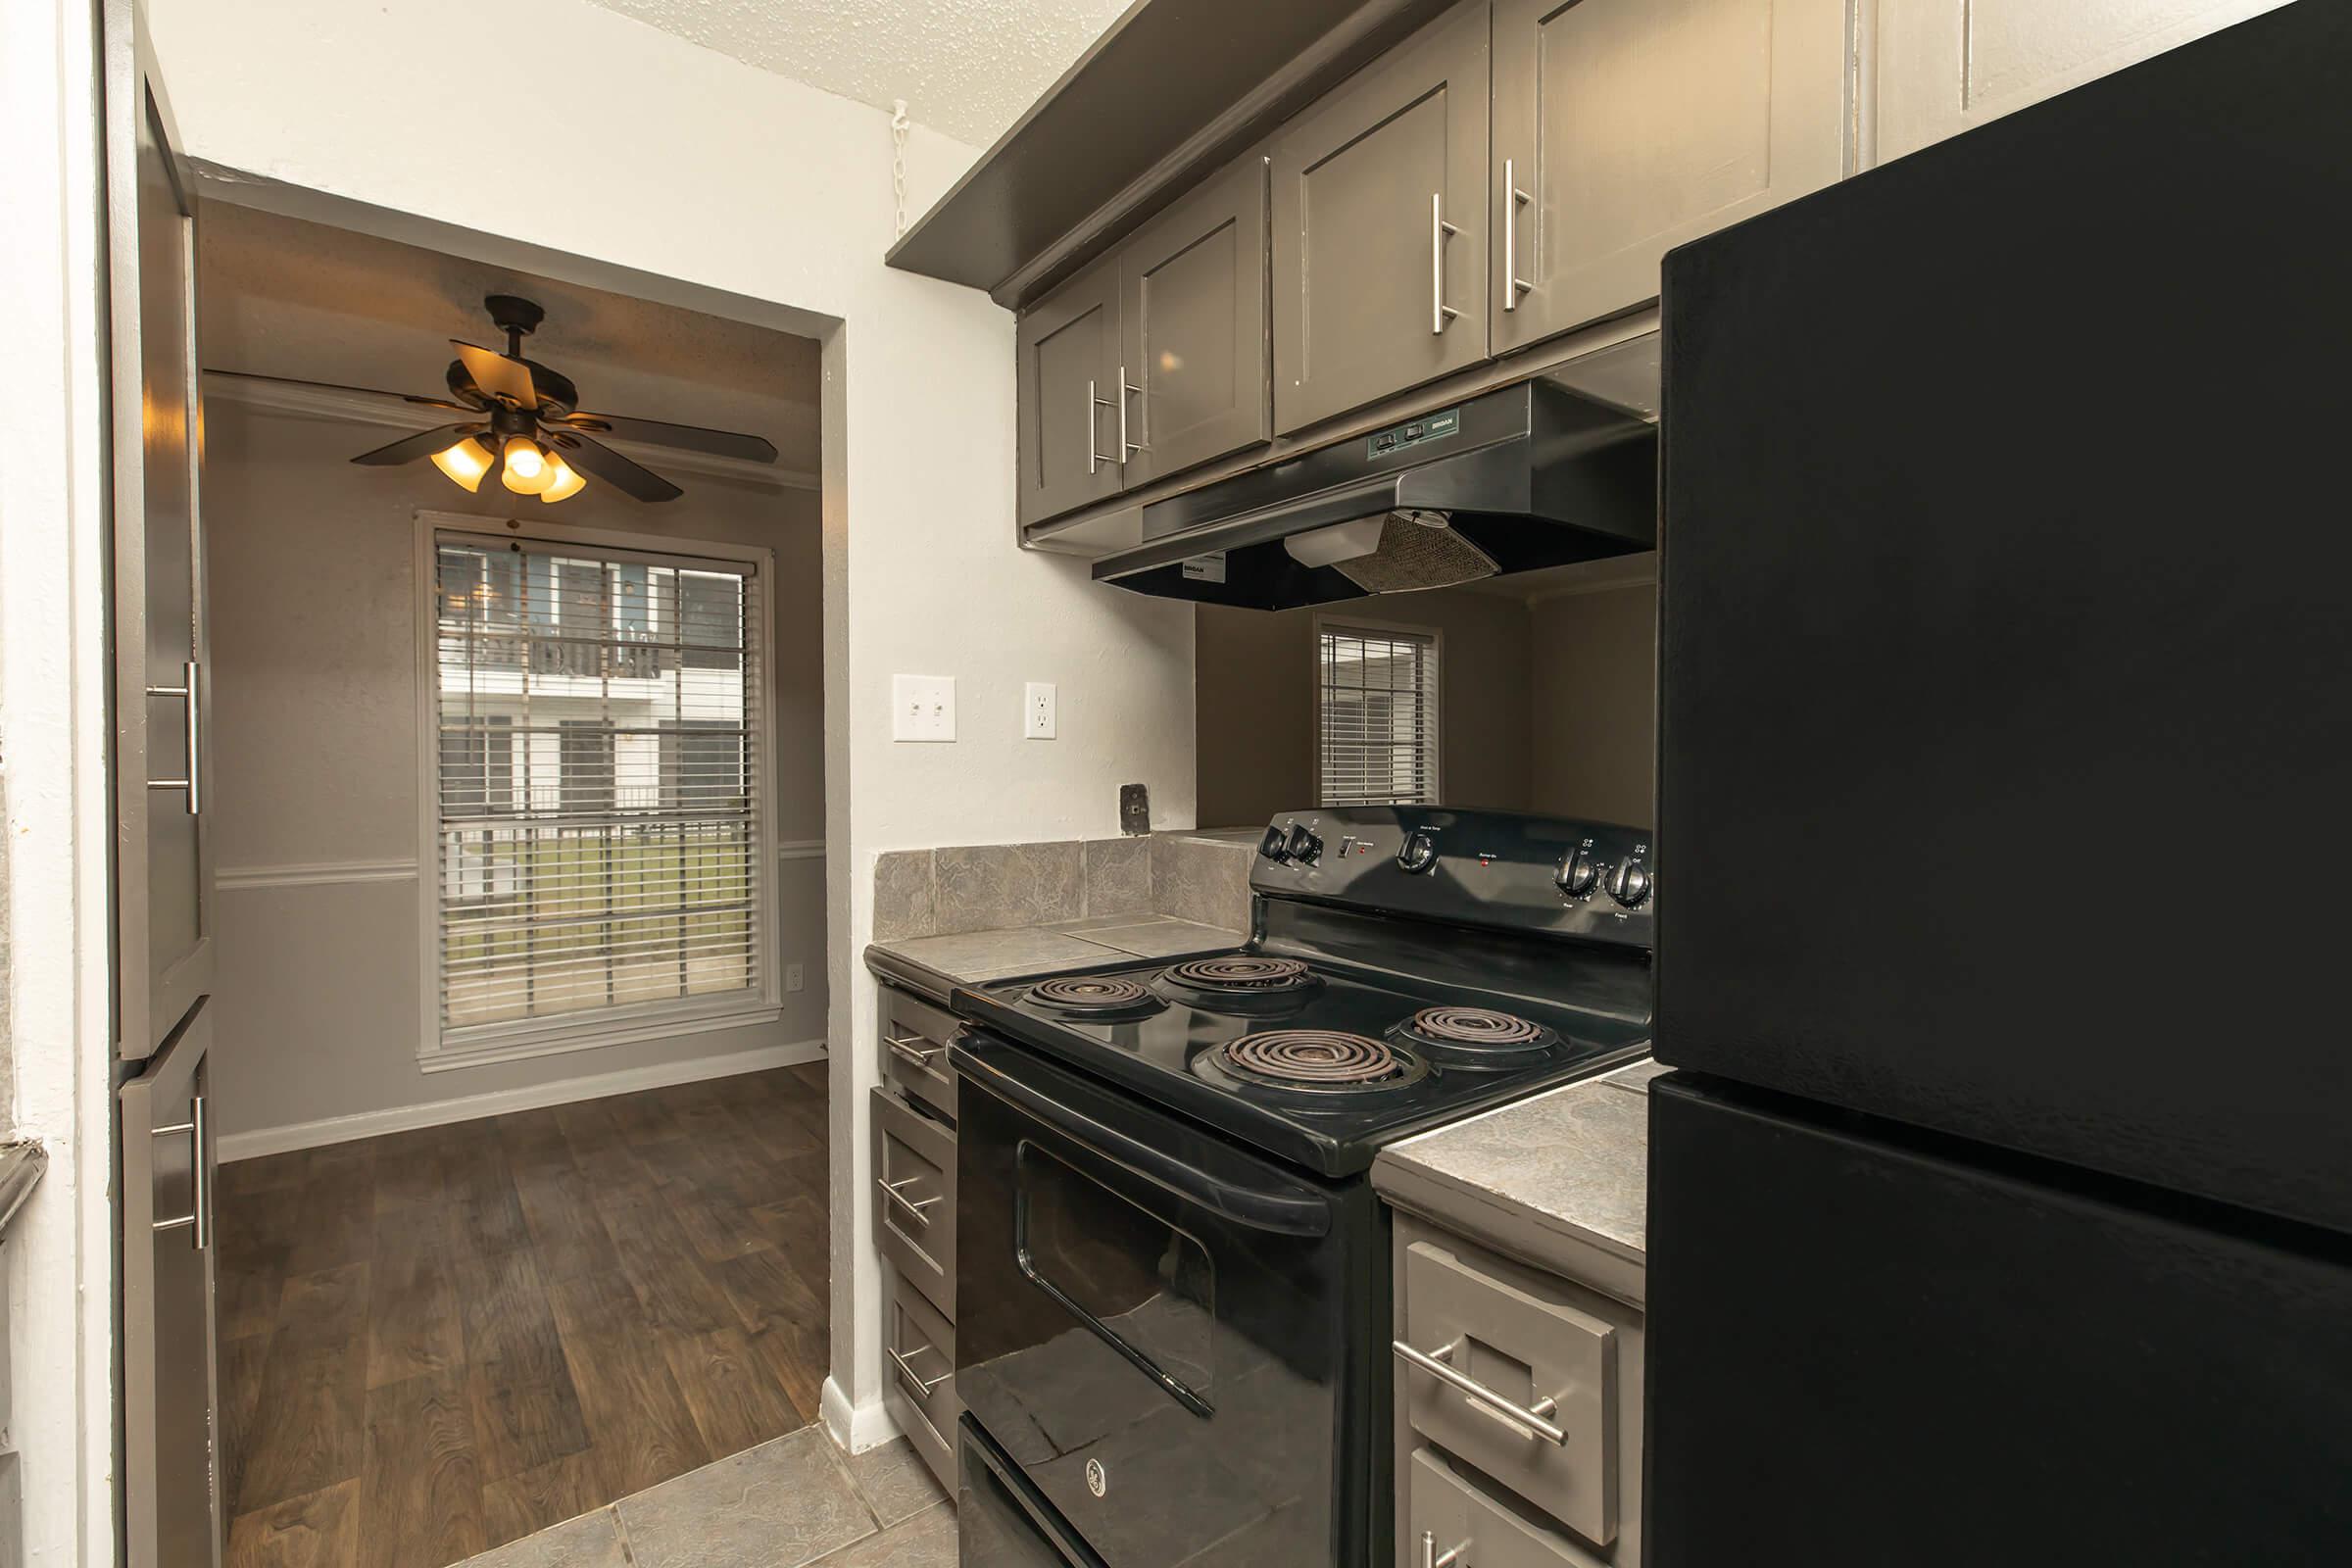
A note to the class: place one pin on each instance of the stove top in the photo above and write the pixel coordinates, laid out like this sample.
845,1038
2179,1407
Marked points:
1333,1061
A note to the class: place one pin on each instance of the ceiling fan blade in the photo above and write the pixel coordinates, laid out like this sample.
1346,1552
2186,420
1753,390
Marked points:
684,437
331,386
498,375
409,447
603,463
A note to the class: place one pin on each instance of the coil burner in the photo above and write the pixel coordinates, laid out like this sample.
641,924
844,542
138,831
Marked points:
1093,996
1476,1037
1318,1061
1243,972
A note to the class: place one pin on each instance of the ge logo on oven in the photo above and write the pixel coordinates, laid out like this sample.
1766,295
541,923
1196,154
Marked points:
1095,1481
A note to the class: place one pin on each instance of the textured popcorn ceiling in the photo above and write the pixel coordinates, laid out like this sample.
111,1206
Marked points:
966,68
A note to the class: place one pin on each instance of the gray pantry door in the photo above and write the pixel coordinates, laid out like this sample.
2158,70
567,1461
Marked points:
162,869
172,1485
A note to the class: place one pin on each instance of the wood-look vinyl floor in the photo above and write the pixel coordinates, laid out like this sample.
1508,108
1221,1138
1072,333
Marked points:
436,1342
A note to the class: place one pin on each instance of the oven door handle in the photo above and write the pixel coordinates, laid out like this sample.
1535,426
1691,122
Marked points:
1290,1213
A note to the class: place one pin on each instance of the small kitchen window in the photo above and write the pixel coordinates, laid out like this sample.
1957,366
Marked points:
1376,716
595,807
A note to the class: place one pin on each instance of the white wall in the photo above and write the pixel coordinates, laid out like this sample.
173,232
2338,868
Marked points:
708,184
316,736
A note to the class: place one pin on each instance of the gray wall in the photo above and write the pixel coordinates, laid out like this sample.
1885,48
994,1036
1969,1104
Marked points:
1548,706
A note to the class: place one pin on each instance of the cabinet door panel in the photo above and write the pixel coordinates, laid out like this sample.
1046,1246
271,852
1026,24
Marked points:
1625,127
1380,227
1946,65
1068,389
1192,297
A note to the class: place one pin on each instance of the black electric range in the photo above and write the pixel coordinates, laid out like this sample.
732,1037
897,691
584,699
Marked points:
1172,1270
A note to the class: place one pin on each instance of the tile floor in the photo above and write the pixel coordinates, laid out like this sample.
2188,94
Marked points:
794,1502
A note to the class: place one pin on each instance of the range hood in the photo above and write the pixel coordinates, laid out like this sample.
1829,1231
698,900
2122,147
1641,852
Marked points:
1512,480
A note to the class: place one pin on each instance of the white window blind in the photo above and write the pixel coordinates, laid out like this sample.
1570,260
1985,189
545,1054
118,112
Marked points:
600,843
1377,708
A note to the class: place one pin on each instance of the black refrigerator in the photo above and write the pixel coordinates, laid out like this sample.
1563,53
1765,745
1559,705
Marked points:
2001,1199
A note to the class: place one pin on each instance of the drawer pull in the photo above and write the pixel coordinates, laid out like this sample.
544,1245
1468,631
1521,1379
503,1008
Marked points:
914,1378
1532,1421
912,1206
904,1049
1431,1557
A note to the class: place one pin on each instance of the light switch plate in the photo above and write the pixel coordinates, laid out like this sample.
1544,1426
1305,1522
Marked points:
1037,710
922,708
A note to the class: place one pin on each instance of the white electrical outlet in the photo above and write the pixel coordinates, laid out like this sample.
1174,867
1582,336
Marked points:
922,708
795,978
1037,710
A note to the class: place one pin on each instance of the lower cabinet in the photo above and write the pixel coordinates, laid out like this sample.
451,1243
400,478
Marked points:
913,1132
1518,1411
918,1377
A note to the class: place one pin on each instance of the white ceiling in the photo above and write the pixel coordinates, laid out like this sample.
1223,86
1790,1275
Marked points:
283,297
966,68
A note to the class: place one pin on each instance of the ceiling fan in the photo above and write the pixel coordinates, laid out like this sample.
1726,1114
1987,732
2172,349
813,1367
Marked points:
524,422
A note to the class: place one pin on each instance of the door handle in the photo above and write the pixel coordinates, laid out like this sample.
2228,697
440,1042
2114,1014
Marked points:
198,1220
1439,312
912,1206
1431,1557
923,1388
1128,449
1513,198
193,728
1529,1419
904,1049
1095,402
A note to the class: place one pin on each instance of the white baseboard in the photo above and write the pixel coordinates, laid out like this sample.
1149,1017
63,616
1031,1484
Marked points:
853,1428
469,1107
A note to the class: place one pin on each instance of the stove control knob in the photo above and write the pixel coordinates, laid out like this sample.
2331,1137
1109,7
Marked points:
1579,874
1276,845
1630,884
1305,846
1419,852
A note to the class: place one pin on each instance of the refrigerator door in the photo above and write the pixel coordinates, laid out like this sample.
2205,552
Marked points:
2005,748
1865,1353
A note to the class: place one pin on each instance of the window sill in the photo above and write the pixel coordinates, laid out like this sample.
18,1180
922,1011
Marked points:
556,1038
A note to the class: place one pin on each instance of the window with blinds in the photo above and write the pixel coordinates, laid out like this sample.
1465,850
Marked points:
1377,707
600,842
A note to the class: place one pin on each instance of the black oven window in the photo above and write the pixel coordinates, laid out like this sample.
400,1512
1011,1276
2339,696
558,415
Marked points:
1143,1281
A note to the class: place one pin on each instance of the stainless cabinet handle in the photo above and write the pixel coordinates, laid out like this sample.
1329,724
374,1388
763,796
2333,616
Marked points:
1513,198
1439,312
193,728
199,1218
1531,1420
1095,402
1452,1559
921,1388
904,1049
912,1206
1128,449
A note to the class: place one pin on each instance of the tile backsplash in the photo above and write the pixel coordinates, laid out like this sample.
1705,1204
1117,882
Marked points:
990,886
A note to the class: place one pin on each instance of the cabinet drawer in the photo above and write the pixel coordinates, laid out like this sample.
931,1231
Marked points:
918,1352
1528,1348
1446,1512
914,1051
915,1198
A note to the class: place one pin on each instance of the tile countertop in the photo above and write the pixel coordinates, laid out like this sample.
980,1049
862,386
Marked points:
1561,1179
933,965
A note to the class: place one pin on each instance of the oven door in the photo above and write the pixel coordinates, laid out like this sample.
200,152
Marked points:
1155,1325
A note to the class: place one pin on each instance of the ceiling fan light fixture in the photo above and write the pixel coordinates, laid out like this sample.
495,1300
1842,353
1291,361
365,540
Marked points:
526,471
464,463
566,481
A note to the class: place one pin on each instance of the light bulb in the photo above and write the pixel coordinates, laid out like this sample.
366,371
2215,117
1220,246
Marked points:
527,472
464,463
566,481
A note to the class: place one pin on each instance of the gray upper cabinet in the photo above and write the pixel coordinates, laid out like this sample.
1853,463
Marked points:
1192,301
1380,227
1071,394
1625,127
1947,66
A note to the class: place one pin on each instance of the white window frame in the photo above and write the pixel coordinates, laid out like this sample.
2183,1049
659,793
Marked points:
1331,622
632,1022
